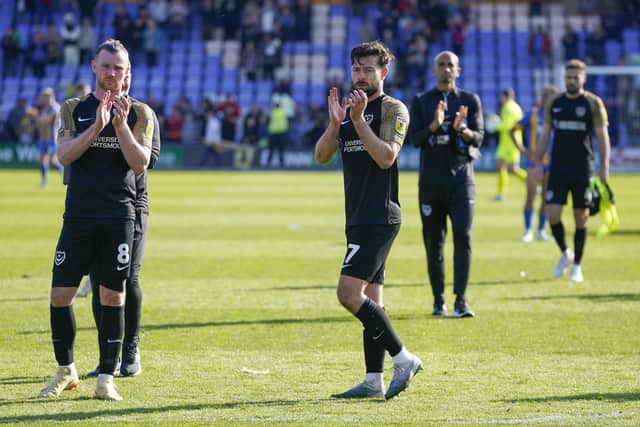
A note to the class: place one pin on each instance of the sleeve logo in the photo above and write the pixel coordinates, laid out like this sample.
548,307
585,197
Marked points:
401,124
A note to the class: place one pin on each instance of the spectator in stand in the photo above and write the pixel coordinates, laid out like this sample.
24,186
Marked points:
539,47
250,22
210,20
570,43
416,62
287,23
268,14
611,23
159,11
272,55
173,125
212,137
183,104
11,43
231,20
191,129
43,11
278,128
596,46
249,61
122,25
438,18
87,41
87,10
54,44
318,126
302,30
70,34
230,107
38,54
254,124
535,7
178,12
457,35
137,35
154,43
14,120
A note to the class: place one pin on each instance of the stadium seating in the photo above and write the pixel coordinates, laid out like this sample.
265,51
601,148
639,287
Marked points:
495,56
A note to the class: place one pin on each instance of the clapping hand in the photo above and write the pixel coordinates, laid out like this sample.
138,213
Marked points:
121,106
103,111
337,109
357,103
461,117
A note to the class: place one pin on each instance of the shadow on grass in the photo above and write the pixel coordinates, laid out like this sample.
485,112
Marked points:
112,412
5,300
613,397
300,320
20,380
588,297
400,285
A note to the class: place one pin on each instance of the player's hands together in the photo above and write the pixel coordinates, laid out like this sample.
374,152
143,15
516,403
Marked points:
104,110
438,117
121,106
337,108
357,104
461,117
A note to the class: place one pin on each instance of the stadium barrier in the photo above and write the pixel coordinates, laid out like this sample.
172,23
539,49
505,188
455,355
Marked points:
245,157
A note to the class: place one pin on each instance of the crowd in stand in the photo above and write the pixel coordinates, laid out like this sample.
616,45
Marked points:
411,28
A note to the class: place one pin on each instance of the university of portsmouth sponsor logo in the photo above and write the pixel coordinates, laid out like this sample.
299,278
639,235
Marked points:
571,125
60,257
106,142
353,146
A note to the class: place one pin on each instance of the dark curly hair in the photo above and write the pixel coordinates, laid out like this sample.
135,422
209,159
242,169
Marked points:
374,48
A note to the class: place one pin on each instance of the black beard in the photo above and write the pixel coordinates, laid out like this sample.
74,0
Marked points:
370,90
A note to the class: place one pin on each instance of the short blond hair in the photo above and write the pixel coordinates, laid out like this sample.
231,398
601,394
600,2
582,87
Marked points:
576,64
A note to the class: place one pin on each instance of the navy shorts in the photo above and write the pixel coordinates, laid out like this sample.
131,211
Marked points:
367,249
561,184
139,242
101,248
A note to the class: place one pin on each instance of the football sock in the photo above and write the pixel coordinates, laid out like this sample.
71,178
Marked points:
132,309
374,378
528,218
503,179
558,234
402,357
43,171
110,337
63,333
542,221
579,240
375,319
373,353
522,174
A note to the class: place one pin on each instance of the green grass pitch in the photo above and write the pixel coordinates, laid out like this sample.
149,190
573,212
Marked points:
240,274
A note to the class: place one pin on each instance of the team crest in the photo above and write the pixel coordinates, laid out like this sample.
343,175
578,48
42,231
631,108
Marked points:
581,111
426,209
60,257
401,124
368,118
